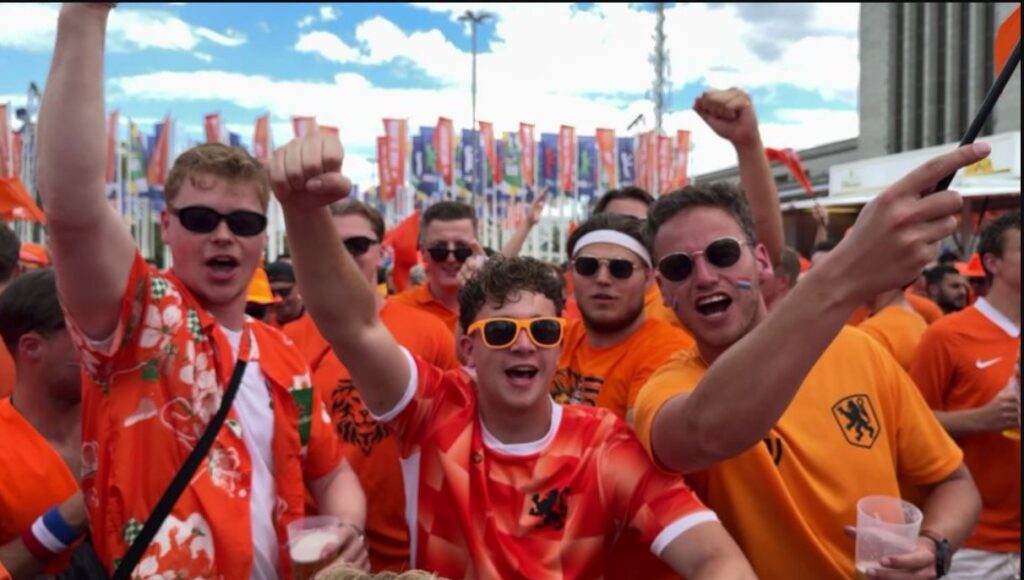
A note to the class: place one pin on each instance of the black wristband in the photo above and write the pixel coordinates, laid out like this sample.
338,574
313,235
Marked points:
943,553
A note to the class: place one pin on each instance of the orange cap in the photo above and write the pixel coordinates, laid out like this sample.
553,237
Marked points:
259,289
971,268
34,254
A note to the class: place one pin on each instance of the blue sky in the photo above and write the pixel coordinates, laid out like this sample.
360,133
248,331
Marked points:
352,64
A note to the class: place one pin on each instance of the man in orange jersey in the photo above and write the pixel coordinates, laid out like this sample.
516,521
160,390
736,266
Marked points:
158,348
282,285
40,424
447,238
369,446
609,354
895,325
947,287
780,424
10,247
965,369
503,482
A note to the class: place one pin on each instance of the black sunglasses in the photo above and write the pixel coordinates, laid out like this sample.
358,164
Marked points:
721,253
282,292
441,253
620,268
358,245
203,220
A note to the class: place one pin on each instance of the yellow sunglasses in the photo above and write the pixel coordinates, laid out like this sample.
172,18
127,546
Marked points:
544,331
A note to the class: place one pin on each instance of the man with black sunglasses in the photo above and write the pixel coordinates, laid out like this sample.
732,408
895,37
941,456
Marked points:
283,286
505,482
447,240
159,348
784,421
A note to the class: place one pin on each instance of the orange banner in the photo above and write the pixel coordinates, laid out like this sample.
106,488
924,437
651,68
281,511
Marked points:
111,173
490,152
643,154
1006,39
606,154
303,125
529,153
397,151
6,157
443,148
156,173
261,138
681,176
214,129
664,163
384,191
566,158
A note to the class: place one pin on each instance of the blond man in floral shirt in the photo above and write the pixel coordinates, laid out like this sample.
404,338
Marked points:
158,349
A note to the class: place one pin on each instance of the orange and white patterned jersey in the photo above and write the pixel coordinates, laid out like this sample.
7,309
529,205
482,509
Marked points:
547,509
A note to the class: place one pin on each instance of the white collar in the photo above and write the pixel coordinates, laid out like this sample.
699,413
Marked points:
530,447
996,317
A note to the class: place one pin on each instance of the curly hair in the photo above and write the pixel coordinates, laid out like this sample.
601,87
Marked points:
503,280
724,196
219,160
993,236
345,572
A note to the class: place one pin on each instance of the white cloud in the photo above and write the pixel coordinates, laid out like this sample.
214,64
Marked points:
327,13
203,56
33,27
328,46
306,21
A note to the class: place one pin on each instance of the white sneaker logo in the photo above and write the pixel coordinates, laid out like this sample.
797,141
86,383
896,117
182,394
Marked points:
984,364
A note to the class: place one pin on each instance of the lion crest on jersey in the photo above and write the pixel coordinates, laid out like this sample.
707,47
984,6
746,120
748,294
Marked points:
353,420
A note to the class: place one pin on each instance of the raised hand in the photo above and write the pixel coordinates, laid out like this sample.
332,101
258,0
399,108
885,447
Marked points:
537,207
472,265
730,114
896,235
306,173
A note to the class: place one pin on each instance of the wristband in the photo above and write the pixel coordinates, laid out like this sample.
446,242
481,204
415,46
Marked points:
49,536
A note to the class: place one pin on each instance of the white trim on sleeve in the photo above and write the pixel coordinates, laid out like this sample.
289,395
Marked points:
410,391
679,527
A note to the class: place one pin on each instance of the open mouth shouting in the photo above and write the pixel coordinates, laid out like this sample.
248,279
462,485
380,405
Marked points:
713,306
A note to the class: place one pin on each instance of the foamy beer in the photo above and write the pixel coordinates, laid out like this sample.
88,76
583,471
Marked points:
313,544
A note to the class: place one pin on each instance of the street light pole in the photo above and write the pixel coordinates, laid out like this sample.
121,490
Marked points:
475,18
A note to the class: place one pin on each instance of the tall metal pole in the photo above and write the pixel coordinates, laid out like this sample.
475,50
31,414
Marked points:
659,60
475,18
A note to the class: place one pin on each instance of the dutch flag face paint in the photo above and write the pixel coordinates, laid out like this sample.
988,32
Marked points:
744,284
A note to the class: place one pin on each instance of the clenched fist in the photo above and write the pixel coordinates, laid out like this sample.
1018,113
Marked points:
730,114
306,173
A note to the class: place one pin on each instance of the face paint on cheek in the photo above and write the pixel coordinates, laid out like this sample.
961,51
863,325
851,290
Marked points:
744,284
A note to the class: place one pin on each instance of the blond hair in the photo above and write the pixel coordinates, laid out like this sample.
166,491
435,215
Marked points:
346,572
218,160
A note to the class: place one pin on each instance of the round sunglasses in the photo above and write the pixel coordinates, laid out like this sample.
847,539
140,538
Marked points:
203,220
358,245
498,333
441,253
620,268
721,253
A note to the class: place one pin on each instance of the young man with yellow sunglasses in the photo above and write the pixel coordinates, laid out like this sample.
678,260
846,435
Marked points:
500,481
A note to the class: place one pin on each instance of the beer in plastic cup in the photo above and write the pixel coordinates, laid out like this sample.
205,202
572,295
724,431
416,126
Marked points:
886,526
313,544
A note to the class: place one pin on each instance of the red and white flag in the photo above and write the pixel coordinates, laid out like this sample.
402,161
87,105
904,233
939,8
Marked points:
566,158
443,135
664,163
384,191
606,155
529,153
159,159
681,176
397,151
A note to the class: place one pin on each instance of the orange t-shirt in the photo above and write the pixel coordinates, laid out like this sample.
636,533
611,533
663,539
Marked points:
147,395
898,330
655,309
610,377
928,310
420,297
36,478
856,426
368,445
963,361
8,372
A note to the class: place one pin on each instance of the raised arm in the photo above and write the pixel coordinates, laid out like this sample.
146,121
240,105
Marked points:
88,240
306,177
730,114
734,405
514,245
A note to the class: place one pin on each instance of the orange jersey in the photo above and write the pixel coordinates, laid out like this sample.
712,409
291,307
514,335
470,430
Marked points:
419,297
928,310
547,509
855,426
8,372
147,395
367,444
963,361
36,478
898,330
655,309
611,377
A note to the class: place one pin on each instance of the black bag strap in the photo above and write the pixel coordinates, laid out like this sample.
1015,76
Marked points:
181,480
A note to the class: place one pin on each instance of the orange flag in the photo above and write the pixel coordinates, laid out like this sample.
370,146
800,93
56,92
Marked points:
791,160
396,131
1006,39
664,163
261,138
403,240
156,173
566,157
490,152
384,191
16,203
529,153
606,153
443,148
681,177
